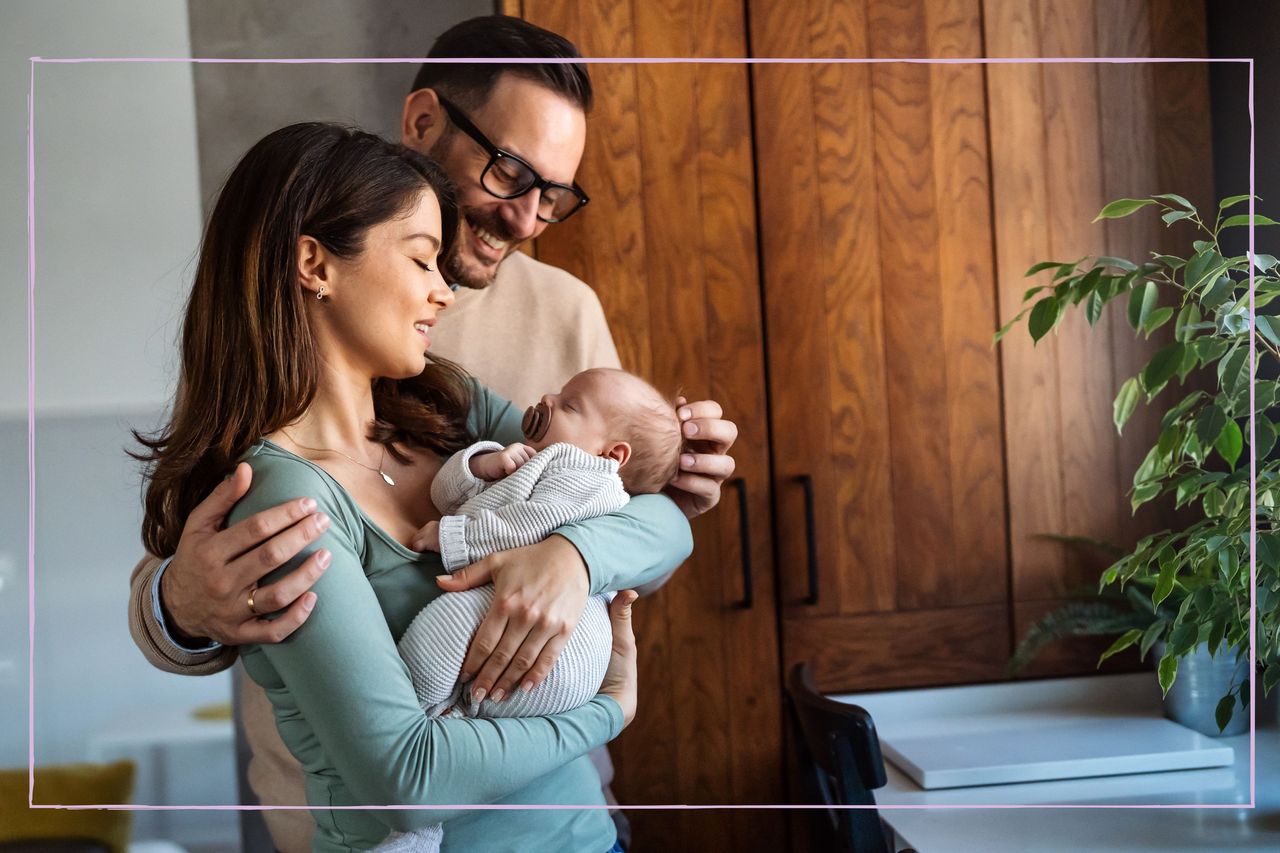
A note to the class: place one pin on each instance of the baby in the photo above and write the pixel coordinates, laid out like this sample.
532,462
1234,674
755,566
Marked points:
607,435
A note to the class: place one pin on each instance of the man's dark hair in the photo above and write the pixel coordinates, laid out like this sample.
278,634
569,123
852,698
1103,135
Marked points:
501,37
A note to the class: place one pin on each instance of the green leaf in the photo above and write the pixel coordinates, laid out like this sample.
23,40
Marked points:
1156,319
1143,493
1149,636
1233,369
1167,671
1269,328
1210,423
1188,364
1043,316
1141,301
1126,402
1093,310
1188,316
1162,367
1264,262
1122,207
1226,708
1264,437
1181,409
1232,201
1229,444
1175,215
1222,289
1118,263
1246,219
1184,636
1164,582
1213,502
1041,267
1209,349
1176,199
1127,639
1205,267
1032,291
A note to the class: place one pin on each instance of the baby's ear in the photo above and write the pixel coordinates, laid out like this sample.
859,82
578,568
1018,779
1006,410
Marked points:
621,451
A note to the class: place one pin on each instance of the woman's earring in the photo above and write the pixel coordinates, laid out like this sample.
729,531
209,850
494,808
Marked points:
320,292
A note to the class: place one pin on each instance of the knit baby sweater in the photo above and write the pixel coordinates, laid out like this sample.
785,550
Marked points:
559,485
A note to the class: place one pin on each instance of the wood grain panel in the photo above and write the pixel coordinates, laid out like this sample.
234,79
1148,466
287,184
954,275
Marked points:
795,309
673,255
906,649
976,571
1092,493
1129,170
917,382
1033,418
863,565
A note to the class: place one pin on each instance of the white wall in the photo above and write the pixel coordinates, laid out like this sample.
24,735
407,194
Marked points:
118,220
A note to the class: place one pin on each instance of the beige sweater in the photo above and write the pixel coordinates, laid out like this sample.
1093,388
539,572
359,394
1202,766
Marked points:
523,336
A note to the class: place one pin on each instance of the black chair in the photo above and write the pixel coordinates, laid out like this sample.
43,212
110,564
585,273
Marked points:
840,756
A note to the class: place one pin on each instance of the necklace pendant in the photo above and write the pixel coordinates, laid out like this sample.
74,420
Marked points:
387,477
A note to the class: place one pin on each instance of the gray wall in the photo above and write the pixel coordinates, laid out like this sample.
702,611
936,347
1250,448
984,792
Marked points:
238,104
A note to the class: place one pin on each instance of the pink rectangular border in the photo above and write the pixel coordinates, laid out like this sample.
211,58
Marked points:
31,281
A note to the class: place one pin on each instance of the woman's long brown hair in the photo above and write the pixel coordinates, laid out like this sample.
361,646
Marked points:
249,360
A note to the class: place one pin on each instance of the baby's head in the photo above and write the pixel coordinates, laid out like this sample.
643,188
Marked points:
612,413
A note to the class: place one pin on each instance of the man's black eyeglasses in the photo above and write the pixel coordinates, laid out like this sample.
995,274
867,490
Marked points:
507,176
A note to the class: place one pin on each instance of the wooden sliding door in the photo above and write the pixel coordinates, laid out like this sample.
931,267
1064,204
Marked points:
880,306
669,243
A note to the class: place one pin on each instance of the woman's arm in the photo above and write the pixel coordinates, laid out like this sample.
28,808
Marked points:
342,674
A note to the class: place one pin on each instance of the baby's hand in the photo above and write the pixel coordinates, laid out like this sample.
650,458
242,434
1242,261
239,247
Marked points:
501,463
428,538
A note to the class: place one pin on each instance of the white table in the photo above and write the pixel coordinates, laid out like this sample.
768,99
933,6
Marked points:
1046,830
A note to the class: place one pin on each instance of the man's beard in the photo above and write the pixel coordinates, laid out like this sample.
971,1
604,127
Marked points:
479,275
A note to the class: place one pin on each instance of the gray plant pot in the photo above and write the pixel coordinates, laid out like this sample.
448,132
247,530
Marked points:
1201,682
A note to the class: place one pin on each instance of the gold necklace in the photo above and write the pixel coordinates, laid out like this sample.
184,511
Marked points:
385,476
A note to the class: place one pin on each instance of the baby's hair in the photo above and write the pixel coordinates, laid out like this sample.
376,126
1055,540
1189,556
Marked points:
653,431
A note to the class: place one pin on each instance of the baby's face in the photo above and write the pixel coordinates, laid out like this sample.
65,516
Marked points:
581,413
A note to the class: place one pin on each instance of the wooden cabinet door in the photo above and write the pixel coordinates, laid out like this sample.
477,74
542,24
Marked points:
669,244
880,306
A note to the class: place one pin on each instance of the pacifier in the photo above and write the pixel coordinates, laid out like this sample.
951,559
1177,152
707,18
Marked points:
536,421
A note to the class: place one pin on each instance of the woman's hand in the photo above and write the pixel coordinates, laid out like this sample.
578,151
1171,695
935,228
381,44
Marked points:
539,593
621,679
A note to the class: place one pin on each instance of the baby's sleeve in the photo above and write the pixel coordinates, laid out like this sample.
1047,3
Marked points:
454,485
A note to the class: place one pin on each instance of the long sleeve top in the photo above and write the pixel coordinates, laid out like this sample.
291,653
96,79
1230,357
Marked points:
346,709
559,485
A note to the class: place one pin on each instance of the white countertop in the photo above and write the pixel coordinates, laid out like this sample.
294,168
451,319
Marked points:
1230,825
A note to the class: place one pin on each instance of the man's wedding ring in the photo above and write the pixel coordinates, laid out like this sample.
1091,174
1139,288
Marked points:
253,609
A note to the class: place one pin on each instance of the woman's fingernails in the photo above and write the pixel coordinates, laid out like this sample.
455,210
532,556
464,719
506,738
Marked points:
527,686
479,694
686,461
308,504
324,558
499,694
690,428
465,677
685,413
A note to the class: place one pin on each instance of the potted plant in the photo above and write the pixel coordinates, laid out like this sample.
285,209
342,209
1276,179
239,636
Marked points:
1186,592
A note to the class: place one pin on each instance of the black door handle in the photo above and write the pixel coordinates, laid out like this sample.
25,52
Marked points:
744,543
810,537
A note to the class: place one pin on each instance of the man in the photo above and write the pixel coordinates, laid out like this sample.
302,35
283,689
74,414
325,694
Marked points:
511,137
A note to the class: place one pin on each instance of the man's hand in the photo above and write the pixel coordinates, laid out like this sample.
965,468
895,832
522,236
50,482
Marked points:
501,463
540,591
205,590
708,436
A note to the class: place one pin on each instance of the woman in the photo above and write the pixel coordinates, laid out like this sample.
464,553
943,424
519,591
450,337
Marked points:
303,354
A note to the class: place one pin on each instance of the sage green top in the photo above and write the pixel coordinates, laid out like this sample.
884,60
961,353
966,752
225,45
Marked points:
347,710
